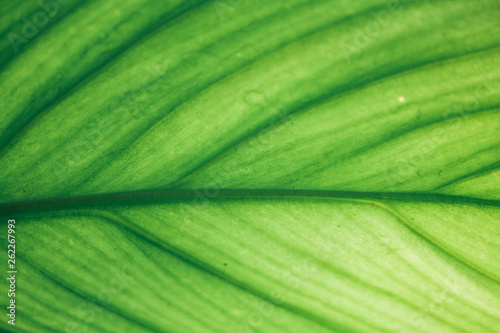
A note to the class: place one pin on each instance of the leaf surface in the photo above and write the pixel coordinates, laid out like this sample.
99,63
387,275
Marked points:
254,167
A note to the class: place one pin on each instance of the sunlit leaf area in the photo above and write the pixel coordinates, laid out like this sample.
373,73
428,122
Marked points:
237,166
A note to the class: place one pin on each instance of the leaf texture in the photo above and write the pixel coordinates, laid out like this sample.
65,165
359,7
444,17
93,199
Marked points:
245,166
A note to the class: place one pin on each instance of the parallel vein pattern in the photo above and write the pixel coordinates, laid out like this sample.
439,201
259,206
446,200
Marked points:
253,166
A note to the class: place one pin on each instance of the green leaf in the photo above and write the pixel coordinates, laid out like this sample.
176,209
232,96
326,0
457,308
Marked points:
245,166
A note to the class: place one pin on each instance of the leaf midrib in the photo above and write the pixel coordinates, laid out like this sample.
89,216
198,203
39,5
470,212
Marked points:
165,196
